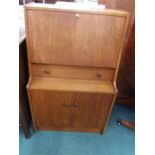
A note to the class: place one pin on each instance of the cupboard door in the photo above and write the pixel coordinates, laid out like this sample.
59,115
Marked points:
76,39
51,110
91,110
70,111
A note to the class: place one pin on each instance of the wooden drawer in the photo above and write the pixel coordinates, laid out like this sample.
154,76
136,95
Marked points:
40,70
57,110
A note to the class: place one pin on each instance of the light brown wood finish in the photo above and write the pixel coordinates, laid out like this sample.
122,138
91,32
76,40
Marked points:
87,73
81,49
49,108
94,109
74,57
75,85
67,110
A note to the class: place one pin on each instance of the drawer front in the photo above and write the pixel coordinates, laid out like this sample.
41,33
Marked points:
75,39
38,70
69,111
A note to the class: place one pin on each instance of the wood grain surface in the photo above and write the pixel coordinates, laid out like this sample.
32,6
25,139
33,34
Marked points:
74,57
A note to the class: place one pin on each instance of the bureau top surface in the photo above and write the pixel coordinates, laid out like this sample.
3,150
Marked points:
75,7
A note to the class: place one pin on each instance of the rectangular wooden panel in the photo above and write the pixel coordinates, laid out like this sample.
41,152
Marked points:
50,109
70,111
73,85
74,58
87,73
91,110
75,38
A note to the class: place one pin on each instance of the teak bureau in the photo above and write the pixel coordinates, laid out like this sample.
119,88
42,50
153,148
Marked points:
74,58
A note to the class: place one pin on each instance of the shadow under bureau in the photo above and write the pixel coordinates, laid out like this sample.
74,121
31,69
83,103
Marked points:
74,58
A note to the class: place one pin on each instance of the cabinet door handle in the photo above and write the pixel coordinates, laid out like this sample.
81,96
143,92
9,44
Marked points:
46,71
66,105
99,75
76,105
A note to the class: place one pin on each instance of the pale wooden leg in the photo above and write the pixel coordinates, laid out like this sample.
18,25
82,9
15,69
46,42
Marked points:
126,123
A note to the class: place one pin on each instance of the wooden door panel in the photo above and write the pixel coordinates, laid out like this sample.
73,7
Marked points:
52,33
70,111
90,110
51,109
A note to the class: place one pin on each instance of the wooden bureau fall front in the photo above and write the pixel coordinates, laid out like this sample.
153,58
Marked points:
74,57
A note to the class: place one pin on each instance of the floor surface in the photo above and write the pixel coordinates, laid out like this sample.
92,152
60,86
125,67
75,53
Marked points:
116,140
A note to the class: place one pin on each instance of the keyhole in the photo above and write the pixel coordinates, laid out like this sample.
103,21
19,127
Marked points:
98,75
77,16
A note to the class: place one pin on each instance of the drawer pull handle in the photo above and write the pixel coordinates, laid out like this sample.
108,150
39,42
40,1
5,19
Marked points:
66,105
75,105
98,75
46,72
